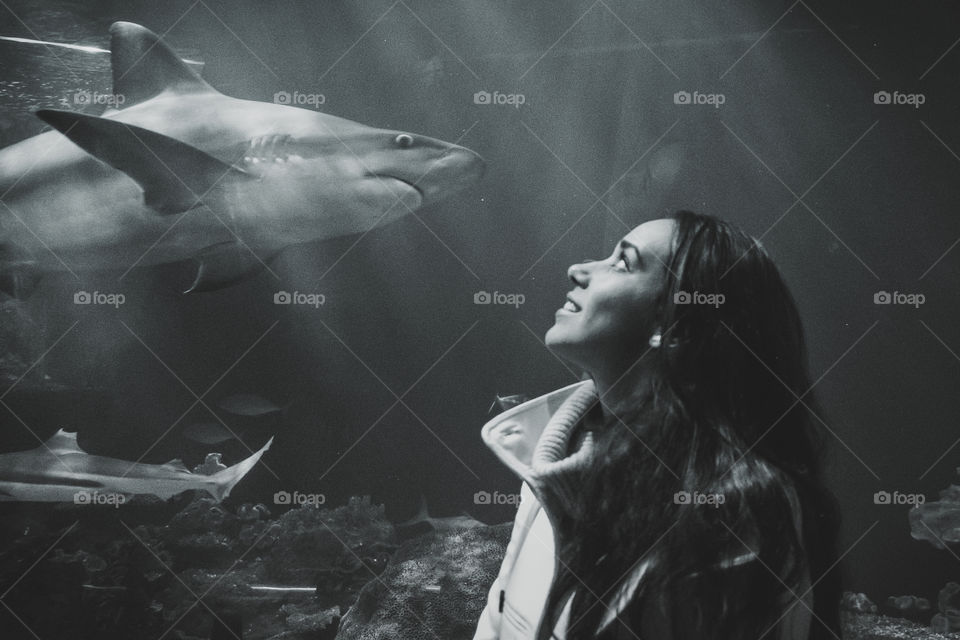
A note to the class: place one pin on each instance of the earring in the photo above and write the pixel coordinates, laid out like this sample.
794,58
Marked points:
655,340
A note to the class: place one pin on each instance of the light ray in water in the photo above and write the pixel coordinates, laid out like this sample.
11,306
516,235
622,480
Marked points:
75,47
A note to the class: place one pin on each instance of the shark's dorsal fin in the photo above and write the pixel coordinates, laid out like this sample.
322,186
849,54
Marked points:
174,175
177,464
62,442
144,66
422,515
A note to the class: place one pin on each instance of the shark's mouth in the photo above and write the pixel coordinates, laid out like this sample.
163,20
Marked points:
413,186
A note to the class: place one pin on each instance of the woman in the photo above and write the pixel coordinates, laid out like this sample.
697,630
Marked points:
676,492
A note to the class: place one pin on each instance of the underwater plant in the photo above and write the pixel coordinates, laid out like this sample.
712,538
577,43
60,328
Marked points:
938,522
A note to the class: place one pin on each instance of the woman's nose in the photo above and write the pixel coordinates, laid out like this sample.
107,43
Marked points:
579,273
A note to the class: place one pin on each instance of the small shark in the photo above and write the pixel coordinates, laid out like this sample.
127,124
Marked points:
181,171
508,402
60,471
423,522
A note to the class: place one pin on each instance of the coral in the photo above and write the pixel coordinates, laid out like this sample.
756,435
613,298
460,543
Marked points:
857,603
910,607
868,626
948,601
211,465
943,623
306,620
434,586
309,540
113,582
253,512
938,522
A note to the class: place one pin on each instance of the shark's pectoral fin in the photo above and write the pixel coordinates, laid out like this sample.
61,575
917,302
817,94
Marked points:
175,176
223,264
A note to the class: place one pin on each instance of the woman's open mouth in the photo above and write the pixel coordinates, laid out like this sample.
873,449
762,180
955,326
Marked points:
570,305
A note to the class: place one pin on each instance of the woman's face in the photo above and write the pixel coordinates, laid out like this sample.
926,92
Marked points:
610,314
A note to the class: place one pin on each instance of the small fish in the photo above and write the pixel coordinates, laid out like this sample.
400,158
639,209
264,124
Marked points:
245,404
508,402
211,433
98,587
281,591
76,47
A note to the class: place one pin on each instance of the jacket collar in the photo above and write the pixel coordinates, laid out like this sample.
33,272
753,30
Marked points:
513,435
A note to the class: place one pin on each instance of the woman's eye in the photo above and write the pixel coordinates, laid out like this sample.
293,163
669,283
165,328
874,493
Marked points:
621,264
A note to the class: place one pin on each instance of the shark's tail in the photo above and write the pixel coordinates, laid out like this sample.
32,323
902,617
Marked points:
224,481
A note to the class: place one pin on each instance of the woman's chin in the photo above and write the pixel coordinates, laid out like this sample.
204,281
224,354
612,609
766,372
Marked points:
556,339
552,336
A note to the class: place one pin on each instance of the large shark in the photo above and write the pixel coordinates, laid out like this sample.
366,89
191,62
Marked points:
60,471
182,171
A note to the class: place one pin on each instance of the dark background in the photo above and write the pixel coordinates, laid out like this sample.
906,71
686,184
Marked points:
878,187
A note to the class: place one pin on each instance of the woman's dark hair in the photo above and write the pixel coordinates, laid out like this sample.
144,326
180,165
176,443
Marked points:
727,412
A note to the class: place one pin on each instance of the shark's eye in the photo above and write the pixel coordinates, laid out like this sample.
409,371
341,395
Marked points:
404,140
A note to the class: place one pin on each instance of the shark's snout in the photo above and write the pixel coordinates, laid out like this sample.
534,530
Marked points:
471,162
424,170
453,170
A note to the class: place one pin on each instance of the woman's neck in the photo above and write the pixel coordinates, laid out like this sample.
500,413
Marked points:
618,392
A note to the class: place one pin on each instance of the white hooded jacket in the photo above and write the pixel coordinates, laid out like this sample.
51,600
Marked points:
517,597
